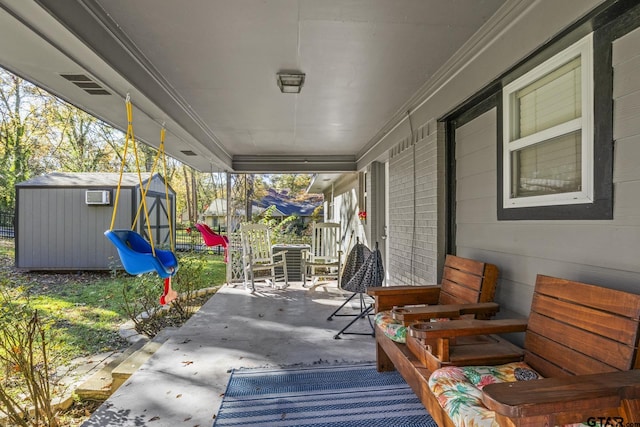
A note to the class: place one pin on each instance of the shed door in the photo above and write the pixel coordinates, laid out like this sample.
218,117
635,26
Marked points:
159,218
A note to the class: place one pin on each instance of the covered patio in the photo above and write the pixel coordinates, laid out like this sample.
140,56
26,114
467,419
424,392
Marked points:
405,110
184,381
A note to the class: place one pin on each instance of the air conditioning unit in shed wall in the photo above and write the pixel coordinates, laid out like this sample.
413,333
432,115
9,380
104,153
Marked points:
97,197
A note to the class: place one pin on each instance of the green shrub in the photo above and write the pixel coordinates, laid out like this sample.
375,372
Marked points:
289,230
142,296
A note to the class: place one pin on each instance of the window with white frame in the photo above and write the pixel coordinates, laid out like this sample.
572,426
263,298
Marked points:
548,132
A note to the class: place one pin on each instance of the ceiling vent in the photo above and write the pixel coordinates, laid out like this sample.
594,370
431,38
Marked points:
188,153
97,92
77,77
86,83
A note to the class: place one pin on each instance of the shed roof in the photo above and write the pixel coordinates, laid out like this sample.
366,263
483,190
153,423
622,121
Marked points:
85,179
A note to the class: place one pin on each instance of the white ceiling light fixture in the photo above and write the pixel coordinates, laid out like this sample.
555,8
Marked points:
290,82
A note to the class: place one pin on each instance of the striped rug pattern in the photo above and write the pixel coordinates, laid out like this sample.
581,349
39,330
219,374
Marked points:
324,396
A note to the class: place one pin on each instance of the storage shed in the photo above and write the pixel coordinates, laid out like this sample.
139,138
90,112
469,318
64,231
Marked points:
62,217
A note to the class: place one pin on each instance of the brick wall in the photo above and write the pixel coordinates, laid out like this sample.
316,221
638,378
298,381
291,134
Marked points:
414,244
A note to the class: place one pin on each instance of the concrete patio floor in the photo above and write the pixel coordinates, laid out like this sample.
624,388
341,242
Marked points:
184,381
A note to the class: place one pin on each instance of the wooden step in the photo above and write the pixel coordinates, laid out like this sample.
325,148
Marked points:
98,385
131,364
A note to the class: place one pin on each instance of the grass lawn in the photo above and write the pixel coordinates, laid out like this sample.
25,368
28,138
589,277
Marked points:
88,308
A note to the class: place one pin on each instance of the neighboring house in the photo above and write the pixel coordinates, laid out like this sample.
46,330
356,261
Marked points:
344,198
216,213
285,206
525,154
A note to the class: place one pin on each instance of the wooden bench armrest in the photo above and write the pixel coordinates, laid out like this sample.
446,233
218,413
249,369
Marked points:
409,314
466,327
579,396
403,290
387,297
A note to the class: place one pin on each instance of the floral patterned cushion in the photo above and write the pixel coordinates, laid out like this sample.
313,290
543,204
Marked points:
390,327
459,390
393,328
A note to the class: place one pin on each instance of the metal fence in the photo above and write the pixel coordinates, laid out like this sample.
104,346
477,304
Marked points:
7,224
192,241
184,241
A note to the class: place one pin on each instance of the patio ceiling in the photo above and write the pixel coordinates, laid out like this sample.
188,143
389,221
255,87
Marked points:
207,68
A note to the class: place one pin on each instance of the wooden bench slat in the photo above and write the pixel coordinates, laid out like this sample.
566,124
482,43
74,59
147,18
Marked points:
614,301
606,350
488,293
463,278
462,293
465,264
449,299
569,360
543,366
606,324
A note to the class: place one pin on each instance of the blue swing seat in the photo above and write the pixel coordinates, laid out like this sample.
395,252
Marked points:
137,257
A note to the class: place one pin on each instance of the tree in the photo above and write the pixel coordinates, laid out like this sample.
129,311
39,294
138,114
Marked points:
294,184
21,126
78,140
40,133
191,193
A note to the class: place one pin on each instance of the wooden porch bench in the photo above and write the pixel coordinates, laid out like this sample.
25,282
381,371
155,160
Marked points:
467,290
583,339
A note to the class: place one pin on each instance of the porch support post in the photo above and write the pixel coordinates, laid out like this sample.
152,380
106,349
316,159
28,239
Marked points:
376,219
230,225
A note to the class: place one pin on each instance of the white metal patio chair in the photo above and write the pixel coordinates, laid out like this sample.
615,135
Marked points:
324,259
258,257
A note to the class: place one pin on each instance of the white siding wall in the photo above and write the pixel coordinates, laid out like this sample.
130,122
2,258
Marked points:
345,208
599,252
